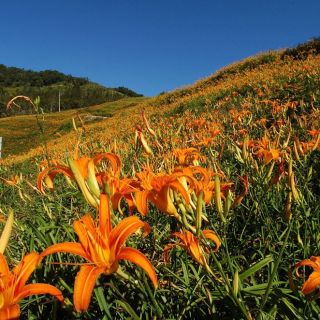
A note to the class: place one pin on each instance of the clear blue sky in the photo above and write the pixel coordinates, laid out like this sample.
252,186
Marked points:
148,45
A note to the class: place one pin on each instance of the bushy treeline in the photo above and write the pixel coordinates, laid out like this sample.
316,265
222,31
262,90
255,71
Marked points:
17,77
74,92
128,92
71,97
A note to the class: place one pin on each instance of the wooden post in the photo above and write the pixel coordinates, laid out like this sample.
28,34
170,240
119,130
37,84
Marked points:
0,146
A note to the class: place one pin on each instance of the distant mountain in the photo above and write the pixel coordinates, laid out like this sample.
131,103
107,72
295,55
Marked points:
74,92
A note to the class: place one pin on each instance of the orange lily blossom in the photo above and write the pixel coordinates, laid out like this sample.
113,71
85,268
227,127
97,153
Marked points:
191,243
13,286
156,188
313,282
122,188
83,171
187,156
200,180
82,164
13,181
266,151
102,246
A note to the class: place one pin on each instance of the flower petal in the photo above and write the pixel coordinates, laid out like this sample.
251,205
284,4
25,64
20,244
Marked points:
196,252
313,262
141,260
4,269
123,230
38,288
113,158
209,234
11,312
312,283
82,227
70,247
177,186
163,201
24,269
82,165
52,172
104,215
182,237
142,201
83,286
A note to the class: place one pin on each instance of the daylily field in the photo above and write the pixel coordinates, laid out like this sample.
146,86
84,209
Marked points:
201,203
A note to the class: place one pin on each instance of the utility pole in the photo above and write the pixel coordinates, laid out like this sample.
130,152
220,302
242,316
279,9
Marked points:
59,100
0,146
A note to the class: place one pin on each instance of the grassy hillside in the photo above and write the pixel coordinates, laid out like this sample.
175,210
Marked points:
287,76
74,92
22,133
223,173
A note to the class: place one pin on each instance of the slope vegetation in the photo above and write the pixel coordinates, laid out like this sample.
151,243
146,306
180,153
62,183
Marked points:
265,82
223,176
56,90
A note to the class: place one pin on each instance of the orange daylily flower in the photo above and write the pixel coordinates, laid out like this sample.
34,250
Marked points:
122,188
197,123
191,243
187,156
82,164
83,171
156,188
13,286
103,247
266,151
13,181
269,155
304,147
200,180
314,133
313,282
205,141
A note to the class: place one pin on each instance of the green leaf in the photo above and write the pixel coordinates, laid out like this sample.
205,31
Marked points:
256,267
185,273
128,308
259,289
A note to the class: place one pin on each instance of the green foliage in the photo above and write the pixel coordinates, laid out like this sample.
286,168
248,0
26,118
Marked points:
16,77
74,92
127,92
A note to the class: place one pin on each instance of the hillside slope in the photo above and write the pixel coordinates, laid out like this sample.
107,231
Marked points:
54,88
22,133
264,83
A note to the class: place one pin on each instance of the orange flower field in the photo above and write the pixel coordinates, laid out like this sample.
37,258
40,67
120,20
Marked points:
200,203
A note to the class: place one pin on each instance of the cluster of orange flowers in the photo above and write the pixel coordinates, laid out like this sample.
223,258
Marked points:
101,244
182,190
